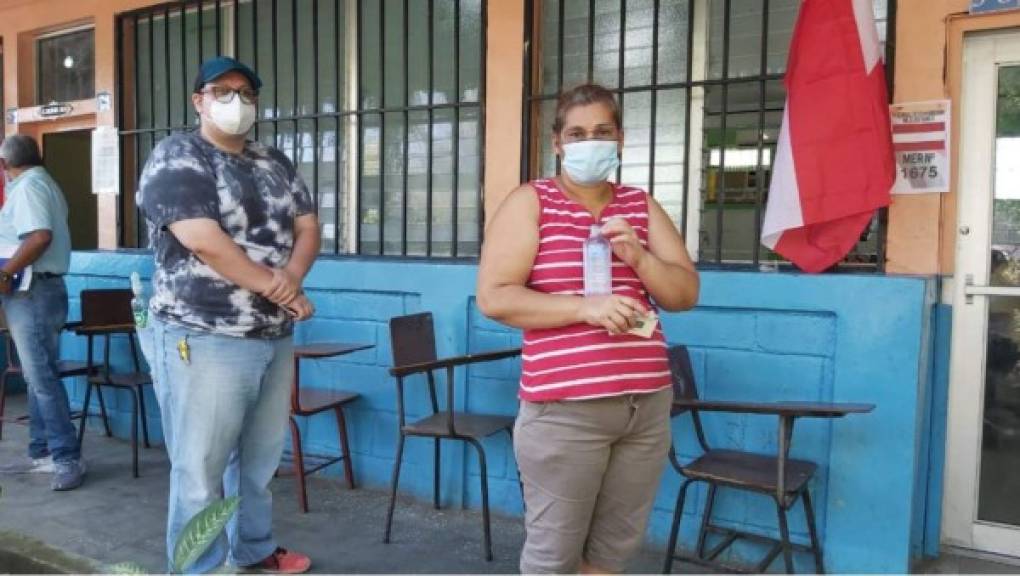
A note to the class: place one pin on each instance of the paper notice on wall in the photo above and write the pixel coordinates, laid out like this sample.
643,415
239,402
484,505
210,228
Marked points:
105,160
920,134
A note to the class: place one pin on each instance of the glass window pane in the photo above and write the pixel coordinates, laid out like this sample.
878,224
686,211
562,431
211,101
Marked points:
468,185
180,84
327,185
442,183
607,43
160,70
393,169
782,17
443,53
418,56
674,16
670,133
638,43
575,42
546,154
370,184
471,27
143,81
395,50
305,44
369,76
637,124
417,184
286,65
745,39
330,37
549,56
66,67
266,59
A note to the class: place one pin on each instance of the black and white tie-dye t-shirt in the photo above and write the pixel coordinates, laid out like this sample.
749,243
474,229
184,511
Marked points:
254,196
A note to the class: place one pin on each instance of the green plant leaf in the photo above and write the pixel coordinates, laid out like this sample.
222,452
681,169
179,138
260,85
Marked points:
126,568
201,531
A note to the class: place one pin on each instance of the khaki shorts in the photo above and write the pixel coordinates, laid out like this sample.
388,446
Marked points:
590,470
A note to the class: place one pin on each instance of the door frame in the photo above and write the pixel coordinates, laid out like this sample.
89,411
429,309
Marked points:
982,54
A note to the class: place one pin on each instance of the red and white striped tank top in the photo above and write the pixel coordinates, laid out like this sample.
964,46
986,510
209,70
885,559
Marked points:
581,361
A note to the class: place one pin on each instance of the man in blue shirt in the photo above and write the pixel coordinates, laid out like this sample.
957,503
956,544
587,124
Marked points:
33,222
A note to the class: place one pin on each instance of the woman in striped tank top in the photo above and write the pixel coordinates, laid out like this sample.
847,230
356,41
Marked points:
592,434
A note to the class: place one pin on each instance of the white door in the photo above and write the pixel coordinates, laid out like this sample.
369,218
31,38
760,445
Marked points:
981,503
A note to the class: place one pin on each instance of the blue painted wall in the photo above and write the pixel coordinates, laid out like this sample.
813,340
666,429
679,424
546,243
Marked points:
753,336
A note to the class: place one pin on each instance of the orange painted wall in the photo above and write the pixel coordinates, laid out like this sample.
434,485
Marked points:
929,57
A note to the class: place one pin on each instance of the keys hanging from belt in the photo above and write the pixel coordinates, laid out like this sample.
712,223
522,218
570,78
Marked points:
184,350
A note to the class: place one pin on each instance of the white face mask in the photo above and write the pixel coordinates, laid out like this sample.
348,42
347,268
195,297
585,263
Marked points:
235,118
591,161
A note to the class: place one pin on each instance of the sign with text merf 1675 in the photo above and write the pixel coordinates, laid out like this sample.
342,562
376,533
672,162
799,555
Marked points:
920,134
979,6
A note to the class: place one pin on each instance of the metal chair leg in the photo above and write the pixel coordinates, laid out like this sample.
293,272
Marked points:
299,464
436,475
3,400
345,449
102,410
784,534
485,496
393,488
84,413
816,546
674,531
134,433
706,519
145,425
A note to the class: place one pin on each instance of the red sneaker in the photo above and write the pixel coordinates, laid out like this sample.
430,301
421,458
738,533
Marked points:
283,561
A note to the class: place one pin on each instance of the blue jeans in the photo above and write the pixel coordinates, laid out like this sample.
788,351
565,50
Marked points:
224,413
35,319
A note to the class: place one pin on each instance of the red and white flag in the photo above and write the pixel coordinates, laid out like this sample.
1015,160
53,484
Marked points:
834,162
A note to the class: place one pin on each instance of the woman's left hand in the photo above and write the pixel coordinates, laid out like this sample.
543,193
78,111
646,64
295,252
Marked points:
626,244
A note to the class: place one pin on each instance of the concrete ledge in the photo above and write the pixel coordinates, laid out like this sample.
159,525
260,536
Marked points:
20,554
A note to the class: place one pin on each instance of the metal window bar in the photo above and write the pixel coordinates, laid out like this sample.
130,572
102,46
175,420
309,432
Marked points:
337,107
534,97
431,97
720,186
219,40
155,128
382,128
759,165
455,216
200,34
407,130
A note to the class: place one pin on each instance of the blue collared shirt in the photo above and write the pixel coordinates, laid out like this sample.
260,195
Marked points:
34,202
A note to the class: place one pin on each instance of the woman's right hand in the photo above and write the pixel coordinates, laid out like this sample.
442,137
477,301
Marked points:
615,313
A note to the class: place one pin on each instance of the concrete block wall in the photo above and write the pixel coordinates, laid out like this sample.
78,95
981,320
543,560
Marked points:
754,336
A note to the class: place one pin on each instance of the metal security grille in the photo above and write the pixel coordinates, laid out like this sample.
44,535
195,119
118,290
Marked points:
377,103
700,88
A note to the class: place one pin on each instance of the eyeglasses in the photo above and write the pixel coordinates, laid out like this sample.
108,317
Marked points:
225,95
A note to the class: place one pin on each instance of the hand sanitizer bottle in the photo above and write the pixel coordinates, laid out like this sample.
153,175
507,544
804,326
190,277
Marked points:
598,263
139,304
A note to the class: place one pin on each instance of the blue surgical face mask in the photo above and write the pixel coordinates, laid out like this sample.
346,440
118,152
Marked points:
591,161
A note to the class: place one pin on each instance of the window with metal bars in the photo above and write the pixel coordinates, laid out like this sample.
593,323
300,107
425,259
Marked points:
377,102
700,87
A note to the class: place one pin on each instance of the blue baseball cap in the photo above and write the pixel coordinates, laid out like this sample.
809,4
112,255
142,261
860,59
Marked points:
214,68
